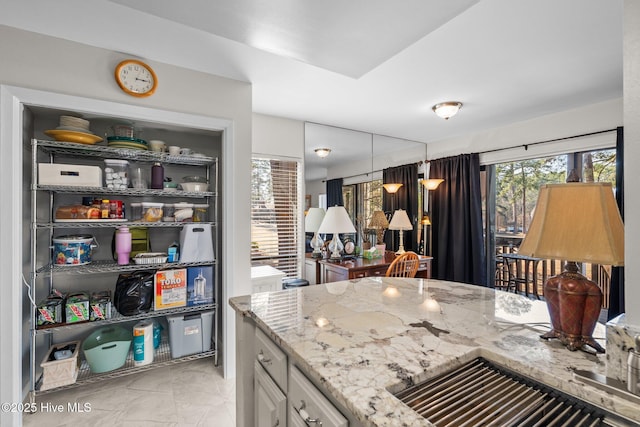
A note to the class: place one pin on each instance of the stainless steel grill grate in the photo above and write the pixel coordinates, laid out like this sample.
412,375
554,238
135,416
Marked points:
482,394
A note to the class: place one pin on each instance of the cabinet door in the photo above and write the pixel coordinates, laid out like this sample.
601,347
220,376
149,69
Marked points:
332,273
270,404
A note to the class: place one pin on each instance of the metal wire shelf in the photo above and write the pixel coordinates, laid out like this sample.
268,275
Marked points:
101,266
119,318
127,192
84,150
112,224
162,357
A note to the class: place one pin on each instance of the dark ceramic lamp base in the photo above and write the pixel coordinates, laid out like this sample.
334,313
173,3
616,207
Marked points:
574,304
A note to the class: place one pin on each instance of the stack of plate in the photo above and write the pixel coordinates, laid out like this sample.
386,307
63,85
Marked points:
73,129
126,142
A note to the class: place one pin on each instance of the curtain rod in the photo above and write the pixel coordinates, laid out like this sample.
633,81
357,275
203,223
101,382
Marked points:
526,146
370,173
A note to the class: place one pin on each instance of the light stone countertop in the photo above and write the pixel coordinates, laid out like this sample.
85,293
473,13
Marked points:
362,338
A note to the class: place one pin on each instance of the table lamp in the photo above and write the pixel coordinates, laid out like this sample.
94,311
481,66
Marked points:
578,222
336,221
400,221
379,223
311,224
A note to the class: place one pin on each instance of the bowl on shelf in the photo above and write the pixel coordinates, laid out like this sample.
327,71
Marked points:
194,184
107,348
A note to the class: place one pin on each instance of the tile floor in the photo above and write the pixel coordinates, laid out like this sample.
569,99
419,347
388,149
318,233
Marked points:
190,394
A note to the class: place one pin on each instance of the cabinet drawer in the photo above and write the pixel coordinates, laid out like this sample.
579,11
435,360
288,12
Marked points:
270,404
306,401
377,272
271,358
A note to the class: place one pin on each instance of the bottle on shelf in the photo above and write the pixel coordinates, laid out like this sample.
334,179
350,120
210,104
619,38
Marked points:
123,245
157,176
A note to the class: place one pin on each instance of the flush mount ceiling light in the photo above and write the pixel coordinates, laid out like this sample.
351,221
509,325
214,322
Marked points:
322,152
447,109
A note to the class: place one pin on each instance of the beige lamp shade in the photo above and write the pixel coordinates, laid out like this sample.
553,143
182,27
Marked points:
577,222
432,183
392,187
336,220
378,221
400,221
313,220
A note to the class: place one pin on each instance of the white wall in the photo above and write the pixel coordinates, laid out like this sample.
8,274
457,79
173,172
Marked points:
39,62
277,136
631,67
282,138
591,118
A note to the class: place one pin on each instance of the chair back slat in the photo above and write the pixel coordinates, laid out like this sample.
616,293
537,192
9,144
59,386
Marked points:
405,265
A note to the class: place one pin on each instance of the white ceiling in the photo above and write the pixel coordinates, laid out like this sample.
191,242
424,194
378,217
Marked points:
371,65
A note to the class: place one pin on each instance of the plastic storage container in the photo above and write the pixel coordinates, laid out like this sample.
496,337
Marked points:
135,211
152,212
190,334
107,348
168,212
116,174
183,212
200,212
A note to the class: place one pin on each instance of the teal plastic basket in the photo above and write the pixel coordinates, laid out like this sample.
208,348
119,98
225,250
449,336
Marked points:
107,348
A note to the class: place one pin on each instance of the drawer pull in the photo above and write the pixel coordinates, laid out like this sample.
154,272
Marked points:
263,359
305,415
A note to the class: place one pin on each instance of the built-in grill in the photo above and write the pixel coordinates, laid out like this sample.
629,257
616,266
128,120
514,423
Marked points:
483,394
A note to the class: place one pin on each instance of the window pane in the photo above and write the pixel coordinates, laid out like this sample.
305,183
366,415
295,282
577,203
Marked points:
274,215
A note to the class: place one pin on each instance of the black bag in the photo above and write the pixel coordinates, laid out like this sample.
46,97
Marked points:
134,293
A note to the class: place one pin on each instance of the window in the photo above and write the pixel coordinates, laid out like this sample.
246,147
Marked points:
275,214
513,189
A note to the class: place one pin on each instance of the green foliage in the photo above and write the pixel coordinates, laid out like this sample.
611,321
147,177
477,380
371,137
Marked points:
518,183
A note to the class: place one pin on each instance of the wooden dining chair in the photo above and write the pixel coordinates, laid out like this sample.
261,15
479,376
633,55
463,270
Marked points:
405,265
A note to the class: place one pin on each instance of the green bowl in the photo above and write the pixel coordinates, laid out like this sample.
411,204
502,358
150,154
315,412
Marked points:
107,348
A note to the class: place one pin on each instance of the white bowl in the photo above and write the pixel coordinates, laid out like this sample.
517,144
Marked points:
194,187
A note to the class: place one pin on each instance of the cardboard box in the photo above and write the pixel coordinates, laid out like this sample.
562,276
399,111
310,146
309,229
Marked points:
100,306
77,307
170,289
200,282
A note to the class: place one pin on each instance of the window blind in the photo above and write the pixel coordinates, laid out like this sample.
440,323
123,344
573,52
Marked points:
275,207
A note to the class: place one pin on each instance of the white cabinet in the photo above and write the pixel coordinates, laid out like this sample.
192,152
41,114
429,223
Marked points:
265,278
270,404
308,406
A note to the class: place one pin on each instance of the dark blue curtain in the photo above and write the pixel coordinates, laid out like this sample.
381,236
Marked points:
405,198
616,291
458,242
334,192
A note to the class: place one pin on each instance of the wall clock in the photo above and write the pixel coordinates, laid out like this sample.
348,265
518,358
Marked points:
136,78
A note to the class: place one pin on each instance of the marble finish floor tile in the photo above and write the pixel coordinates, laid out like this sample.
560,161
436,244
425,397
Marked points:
182,395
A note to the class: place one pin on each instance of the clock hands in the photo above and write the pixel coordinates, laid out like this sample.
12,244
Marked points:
142,80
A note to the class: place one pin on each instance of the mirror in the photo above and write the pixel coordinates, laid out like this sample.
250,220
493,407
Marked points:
350,156
354,156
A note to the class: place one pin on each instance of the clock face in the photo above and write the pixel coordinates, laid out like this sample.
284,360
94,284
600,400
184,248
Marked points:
136,78
349,247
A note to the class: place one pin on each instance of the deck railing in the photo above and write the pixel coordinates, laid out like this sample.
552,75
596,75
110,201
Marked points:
517,275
